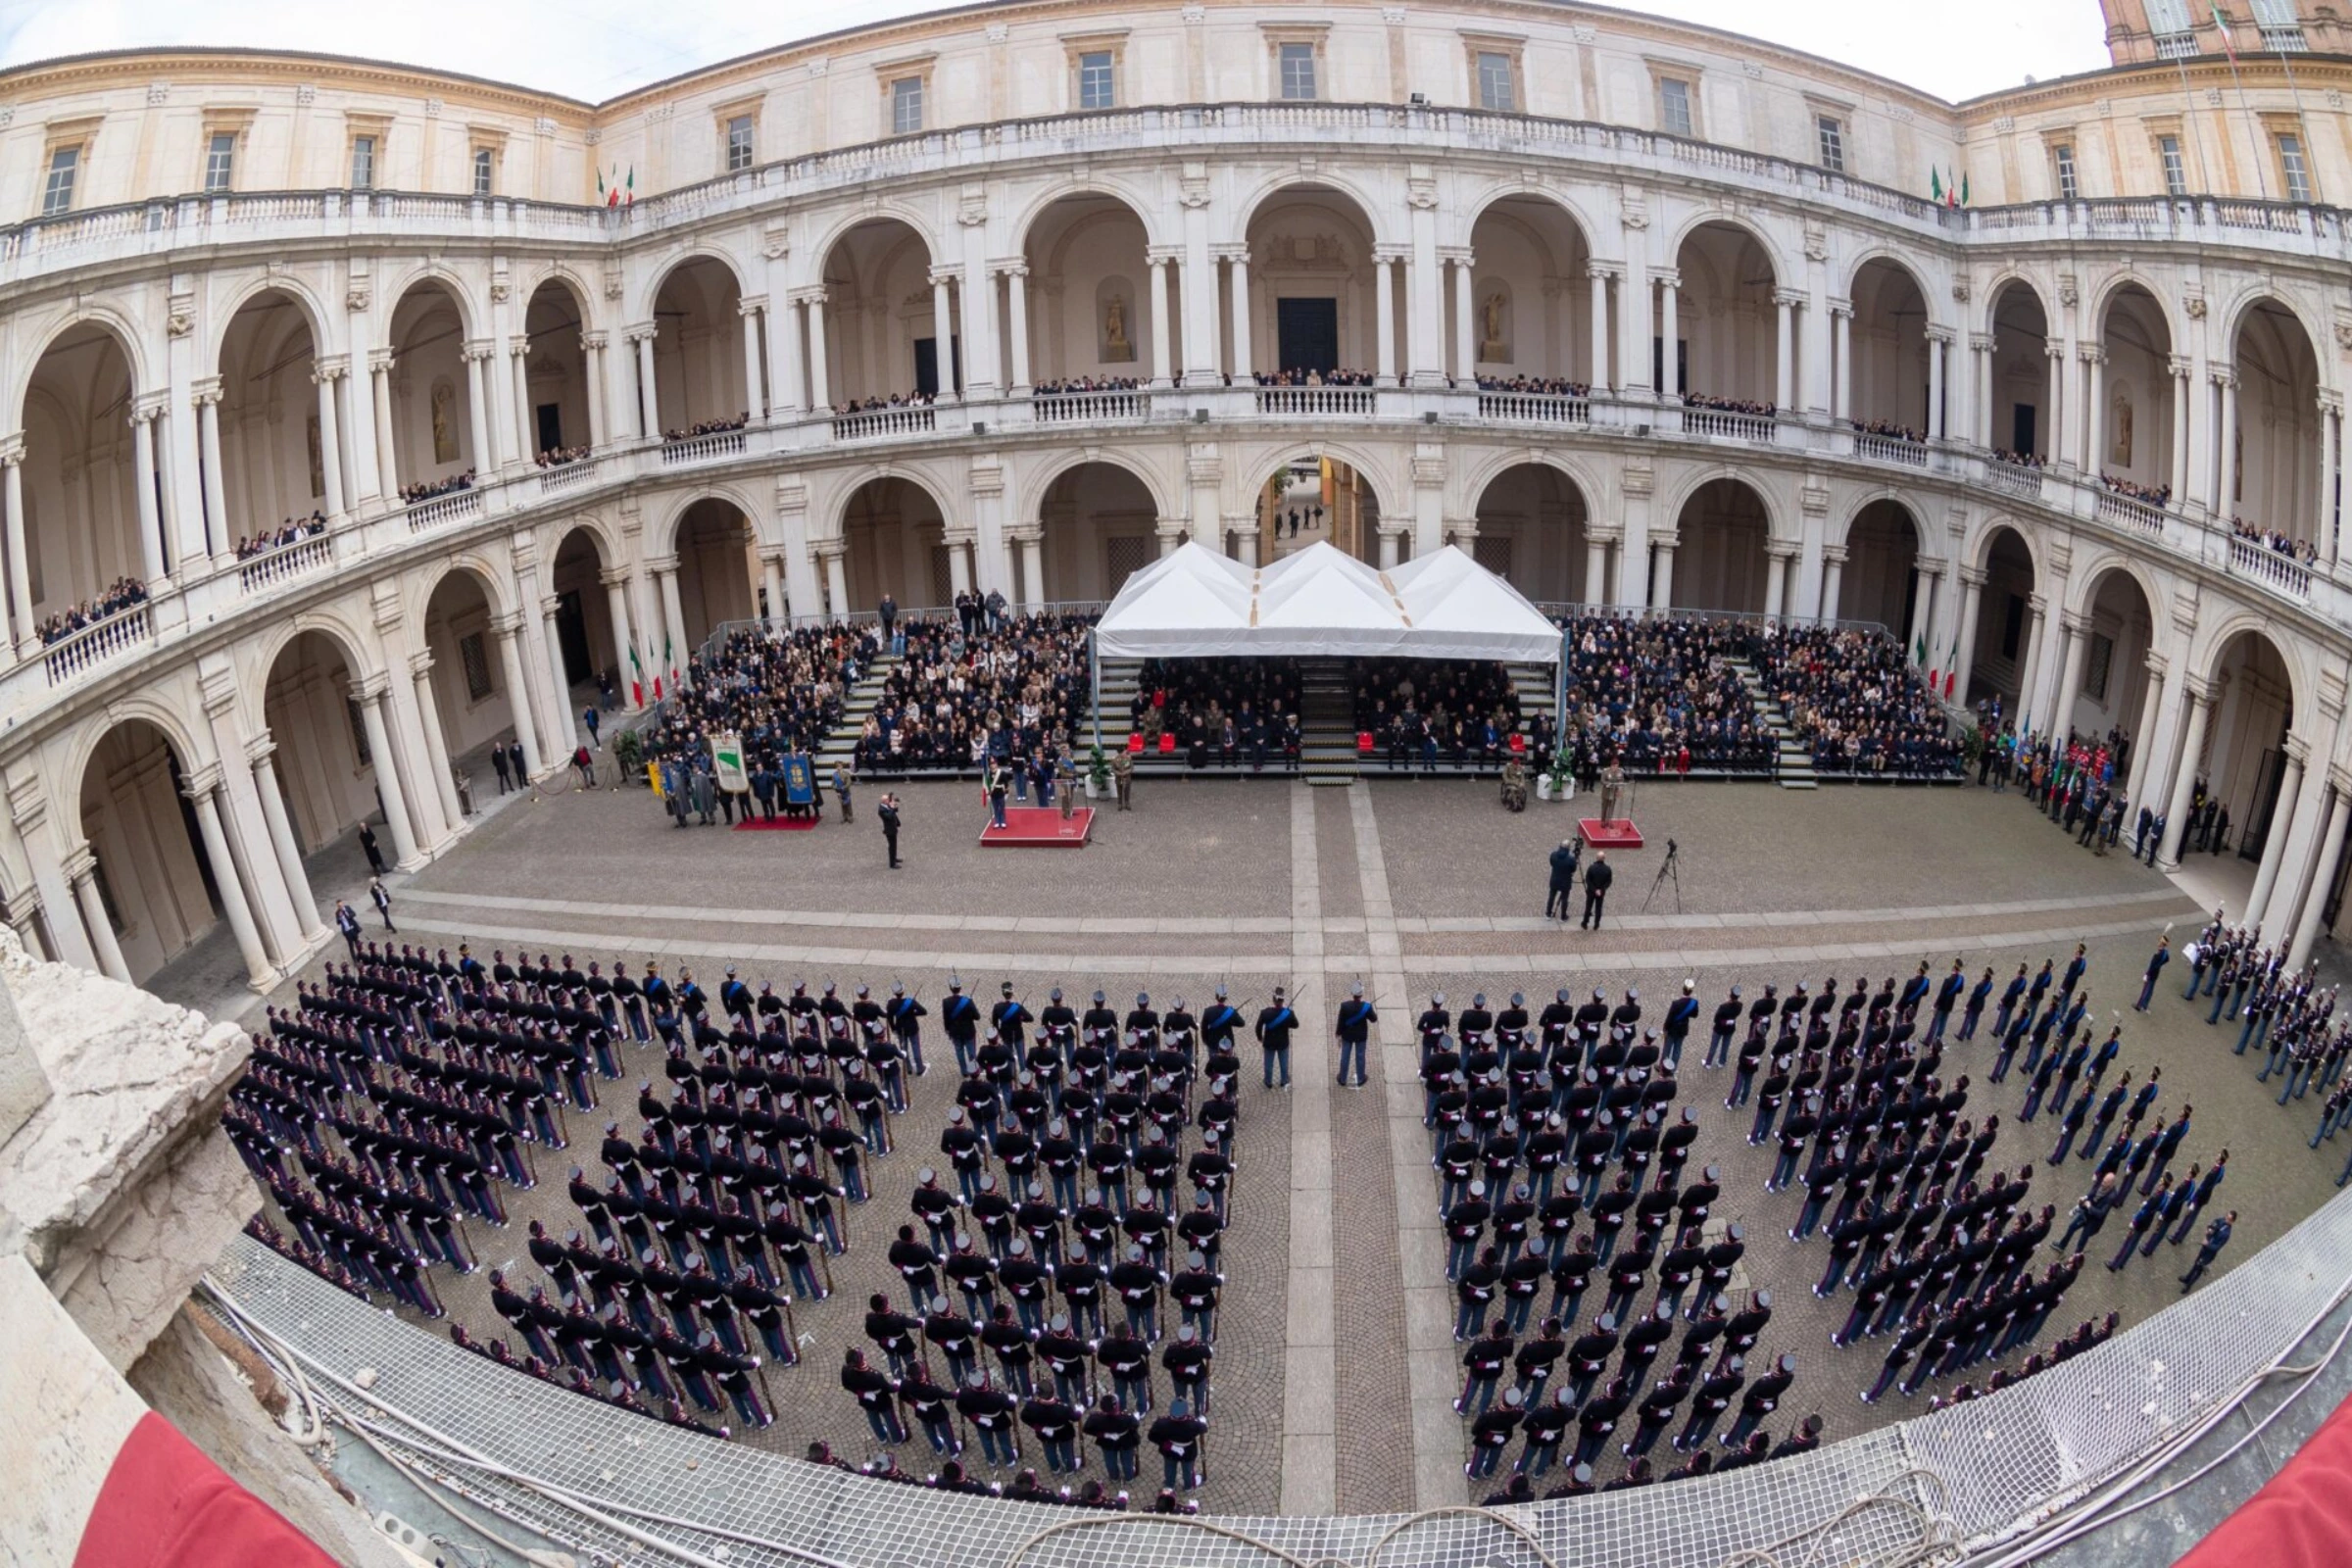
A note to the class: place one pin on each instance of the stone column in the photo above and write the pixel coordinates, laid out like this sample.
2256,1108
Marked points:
755,382
1936,353
2225,491
943,332
1669,375
2299,791
478,414
2143,738
81,869
2094,419
258,752
369,693
564,727
436,745
648,395
771,578
1661,571
19,576
2184,773
2053,431
388,464
820,394
509,628
218,537
330,441
959,564
1972,595
1597,567
1384,316
2322,871
518,375
1833,578
201,789
1465,335
1776,578
591,363
1162,351
616,610
837,576
1017,294
2078,649
1842,334
2179,367
1245,357
1784,360
142,480
2037,608
1981,346
1599,378
1033,569
2332,415
674,618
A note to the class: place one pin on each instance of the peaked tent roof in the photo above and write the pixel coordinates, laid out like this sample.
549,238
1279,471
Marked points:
1319,603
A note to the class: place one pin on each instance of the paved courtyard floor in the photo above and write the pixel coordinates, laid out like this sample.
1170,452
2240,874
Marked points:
1334,1361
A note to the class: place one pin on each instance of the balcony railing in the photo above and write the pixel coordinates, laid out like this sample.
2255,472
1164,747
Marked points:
1087,407
459,505
1319,401
2127,513
2280,574
259,574
879,423
2014,477
1732,426
701,448
566,476
1892,449
71,658
1535,408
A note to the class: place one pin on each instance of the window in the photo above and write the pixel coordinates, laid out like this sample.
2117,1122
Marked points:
359,731
739,143
2176,176
906,105
1495,84
476,658
486,172
2281,30
2102,665
1097,86
2063,156
1833,143
57,193
221,162
1298,72
2173,28
1674,106
2292,169
363,163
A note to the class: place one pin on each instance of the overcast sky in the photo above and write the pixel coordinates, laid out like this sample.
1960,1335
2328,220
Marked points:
595,49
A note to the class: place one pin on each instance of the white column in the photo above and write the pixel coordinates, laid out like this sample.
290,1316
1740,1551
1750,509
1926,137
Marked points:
648,400
567,725
1980,347
1384,317
2094,418
1598,376
959,565
943,332
227,883
1783,363
2184,773
2179,368
477,400
1841,322
1033,571
837,580
1466,339
1661,573
2078,648
1162,356
772,578
1935,351
387,465
2299,797
330,441
219,536
364,471
526,427
1776,581
436,745
1243,351
2225,493
19,579
2322,874
282,835
2143,738
1597,568
83,868
754,381
820,396
1392,543
2053,429
2330,429
674,620
616,610
1670,378
1017,294
370,695
1972,594
509,630
1833,578
142,480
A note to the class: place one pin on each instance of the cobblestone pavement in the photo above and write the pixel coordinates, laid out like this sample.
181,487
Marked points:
1335,1363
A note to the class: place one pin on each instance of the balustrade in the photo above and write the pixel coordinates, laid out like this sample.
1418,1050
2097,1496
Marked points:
76,655
259,574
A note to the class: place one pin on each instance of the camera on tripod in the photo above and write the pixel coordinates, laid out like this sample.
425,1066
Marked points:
1669,870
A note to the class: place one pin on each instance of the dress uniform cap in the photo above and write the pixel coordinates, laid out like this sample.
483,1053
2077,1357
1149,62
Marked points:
1055,995
1220,993
1357,991
1518,1000
1143,998
1478,1000
1098,997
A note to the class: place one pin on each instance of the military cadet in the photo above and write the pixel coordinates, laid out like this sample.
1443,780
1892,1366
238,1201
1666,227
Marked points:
960,1015
2217,1237
1356,1017
1598,1419
1543,1427
1492,1433
1275,1024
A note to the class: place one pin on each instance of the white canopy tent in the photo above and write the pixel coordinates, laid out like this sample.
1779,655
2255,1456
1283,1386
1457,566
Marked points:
1321,603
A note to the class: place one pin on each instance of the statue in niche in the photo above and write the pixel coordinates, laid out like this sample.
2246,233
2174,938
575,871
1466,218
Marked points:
2118,423
1492,348
318,457
445,422
1117,348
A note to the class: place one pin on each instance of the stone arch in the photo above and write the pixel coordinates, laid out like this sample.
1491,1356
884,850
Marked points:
1989,532
82,502
2260,701
1725,525
1098,521
588,642
1089,270
1532,295
661,537
883,211
1754,232
2135,422
1505,190
2115,600
1108,188
1324,181
1884,540
2006,650
2002,283
1727,328
481,675
358,650
434,422
1387,489
268,416
2242,306
2117,284
104,318
673,265
302,695
1313,298
700,375
2019,321
717,573
159,888
1889,346
297,292
1534,512
559,416
433,274
1037,481
2205,652
435,573
879,310
1290,490
1692,483
892,527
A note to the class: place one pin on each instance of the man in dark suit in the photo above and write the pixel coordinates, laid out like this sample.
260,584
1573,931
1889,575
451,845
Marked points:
887,810
1563,879
1597,878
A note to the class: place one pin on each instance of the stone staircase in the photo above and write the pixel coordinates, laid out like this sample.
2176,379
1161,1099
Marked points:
1326,723
1795,770
1121,679
840,742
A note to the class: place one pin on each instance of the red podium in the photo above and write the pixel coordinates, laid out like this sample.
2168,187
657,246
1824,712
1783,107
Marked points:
1040,827
1620,834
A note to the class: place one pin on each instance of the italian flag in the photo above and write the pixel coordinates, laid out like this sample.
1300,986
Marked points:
636,675
606,195
1951,667
1935,183
1919,651
669,663
629,190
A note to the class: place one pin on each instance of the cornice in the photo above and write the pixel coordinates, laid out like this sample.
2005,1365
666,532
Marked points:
2157,79
136,69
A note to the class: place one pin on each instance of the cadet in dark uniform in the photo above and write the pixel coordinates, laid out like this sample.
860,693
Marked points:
1275,1022
1356,1017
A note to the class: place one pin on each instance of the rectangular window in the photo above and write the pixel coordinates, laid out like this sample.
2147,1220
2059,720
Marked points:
2295,172
485,169
221,162
2175,174
1674,107
358,732
1496,90
2173,28
1298,72
2063,156
739,143
906,105
476,659
1095,87
1833,143
363,163
57,193
2281,30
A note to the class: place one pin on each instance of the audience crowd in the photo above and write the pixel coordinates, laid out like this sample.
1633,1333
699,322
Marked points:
2276,541
779,691
1340,376
1709,403
561,457
292,531
877,405
1856,702
434,489
1074,385
1008,695
1227,711
1534,385
1889,430
2155,495
1659,697
124,593
706,427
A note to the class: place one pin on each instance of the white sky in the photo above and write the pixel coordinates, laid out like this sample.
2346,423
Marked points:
596,49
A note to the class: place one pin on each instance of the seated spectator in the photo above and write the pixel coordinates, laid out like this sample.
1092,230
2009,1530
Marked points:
1227,711
958,702
1661,697
1855,701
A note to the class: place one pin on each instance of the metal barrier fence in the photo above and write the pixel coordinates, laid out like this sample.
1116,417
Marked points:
1977,1474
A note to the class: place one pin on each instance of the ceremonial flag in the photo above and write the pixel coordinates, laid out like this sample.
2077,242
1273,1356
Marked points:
606,195
636,676
631,199
2222,21
1935,183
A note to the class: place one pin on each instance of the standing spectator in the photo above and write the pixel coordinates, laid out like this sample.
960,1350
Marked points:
381,896
347,922
375,856
497,761
1597,878
887,809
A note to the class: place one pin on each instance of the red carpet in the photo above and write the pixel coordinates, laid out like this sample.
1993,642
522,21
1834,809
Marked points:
782,824
2297,1520
1618,835
1038,827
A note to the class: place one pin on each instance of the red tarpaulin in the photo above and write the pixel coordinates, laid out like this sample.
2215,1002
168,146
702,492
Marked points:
165,1505
2298,1520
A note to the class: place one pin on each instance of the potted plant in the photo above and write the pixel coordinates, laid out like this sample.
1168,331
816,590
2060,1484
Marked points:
1098,774
628,754
1558,779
